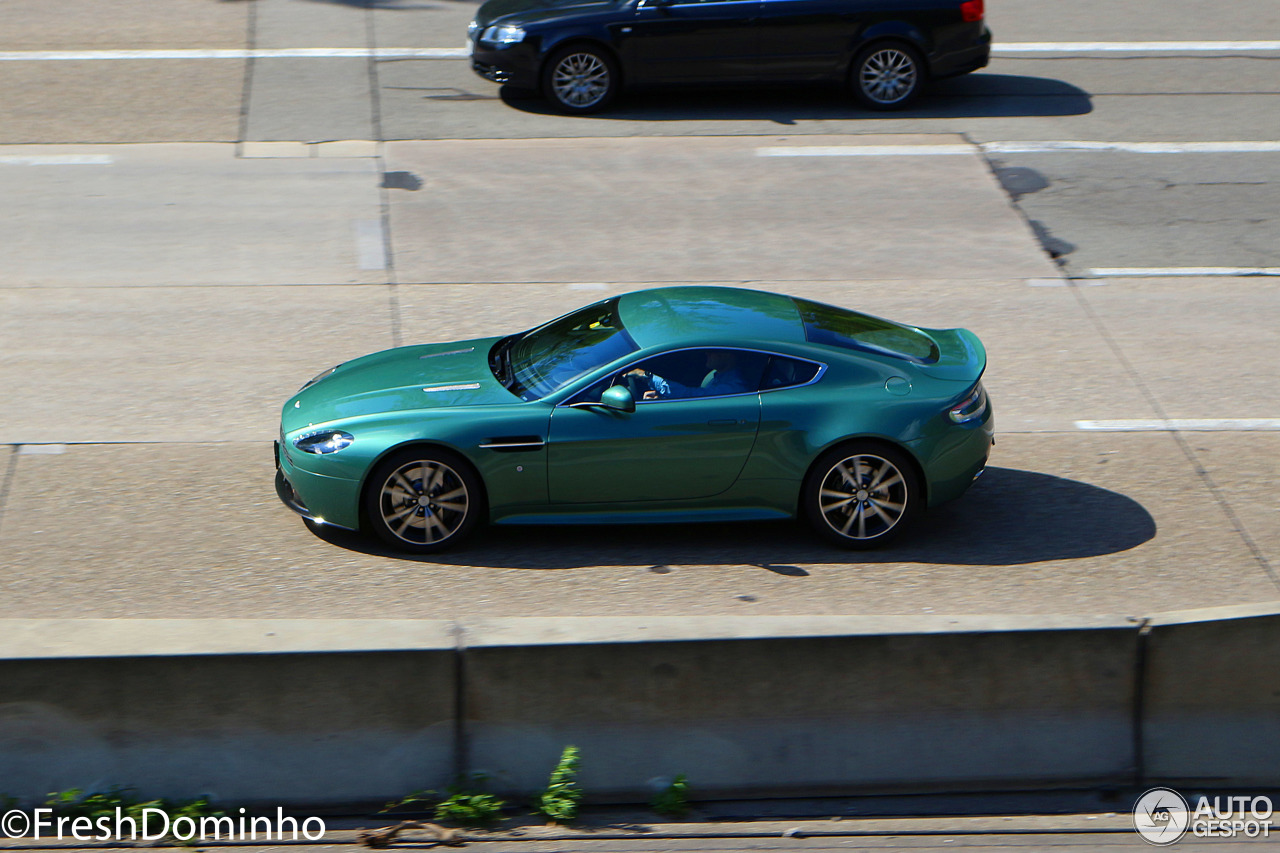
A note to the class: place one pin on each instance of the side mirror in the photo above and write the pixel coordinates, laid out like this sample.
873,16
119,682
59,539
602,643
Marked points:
618,397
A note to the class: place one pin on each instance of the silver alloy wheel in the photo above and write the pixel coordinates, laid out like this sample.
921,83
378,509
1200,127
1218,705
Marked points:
888,75
863,497
424,502
580,80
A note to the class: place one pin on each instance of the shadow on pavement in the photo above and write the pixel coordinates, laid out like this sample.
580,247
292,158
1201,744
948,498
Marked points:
971,96
1009,517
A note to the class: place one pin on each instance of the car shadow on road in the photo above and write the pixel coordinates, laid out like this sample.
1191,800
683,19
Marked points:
1009,517
971,96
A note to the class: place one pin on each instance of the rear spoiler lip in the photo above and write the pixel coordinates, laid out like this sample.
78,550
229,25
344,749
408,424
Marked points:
962,357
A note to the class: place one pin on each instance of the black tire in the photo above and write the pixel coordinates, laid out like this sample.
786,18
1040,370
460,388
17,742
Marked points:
887,75
861,495
580,79
423,500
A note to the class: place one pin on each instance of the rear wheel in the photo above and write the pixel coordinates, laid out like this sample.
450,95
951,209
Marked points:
580,79
861,495
887,76
423,500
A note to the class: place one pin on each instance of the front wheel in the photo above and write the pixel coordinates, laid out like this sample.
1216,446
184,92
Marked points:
886,76
423,500
861,496
580,79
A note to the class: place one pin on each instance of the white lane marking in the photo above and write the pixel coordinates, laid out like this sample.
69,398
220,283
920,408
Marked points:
1183,424
1005,48
55,160
41,449
1240,147
371,247
1175,272
259,53
1034,147
864,150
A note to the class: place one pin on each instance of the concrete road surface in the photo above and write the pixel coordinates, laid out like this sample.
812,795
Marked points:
191,234
141,392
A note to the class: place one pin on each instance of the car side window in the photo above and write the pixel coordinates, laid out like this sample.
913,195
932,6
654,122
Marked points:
784,372
694,373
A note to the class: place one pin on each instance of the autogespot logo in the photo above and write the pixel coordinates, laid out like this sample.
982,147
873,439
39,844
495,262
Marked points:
1161,816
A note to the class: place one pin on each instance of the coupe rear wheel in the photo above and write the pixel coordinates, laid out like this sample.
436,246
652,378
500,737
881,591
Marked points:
423,500
580,79
861,496
887,76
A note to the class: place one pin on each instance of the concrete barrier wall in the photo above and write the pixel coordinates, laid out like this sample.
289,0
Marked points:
1211,707
271,728
314,712
812,714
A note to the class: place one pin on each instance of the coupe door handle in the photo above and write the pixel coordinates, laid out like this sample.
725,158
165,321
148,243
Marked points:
725,422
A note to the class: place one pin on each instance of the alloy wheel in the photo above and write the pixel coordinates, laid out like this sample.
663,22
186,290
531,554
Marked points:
580,80
424,502
888,75
863,497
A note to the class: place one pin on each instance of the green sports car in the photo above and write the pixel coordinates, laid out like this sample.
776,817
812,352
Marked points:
664,405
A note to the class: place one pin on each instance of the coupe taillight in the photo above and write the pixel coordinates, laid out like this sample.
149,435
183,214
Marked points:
972,407
971,10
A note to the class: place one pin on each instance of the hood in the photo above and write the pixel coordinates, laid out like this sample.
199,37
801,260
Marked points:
402,379
494,10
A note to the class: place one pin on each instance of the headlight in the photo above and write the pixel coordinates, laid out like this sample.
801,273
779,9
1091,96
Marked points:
503,34
329,441
321,375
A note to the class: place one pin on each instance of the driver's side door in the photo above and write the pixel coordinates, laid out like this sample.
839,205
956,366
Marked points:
667,449
690,41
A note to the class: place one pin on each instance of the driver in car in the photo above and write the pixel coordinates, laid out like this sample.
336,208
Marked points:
723,377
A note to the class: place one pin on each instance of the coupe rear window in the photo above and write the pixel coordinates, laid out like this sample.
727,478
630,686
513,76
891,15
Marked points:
826,324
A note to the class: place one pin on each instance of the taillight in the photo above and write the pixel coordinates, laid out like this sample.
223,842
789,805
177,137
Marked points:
971,10
972,407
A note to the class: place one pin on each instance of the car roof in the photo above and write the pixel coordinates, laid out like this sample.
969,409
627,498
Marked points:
708,315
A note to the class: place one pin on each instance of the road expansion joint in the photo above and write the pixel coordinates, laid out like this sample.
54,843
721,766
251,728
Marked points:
10,468
246,86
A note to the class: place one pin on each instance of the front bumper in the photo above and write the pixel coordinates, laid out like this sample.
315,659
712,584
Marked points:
329,500
490,72
516,65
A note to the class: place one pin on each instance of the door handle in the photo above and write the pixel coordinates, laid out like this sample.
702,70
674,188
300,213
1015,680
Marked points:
725,422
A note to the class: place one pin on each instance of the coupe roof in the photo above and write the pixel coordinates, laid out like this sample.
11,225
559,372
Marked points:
668,315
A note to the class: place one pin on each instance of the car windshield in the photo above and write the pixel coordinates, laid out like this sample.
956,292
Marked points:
548,358
826,324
